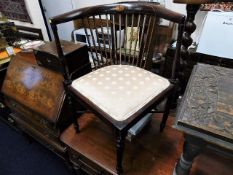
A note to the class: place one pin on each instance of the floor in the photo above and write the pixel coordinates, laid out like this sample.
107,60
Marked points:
151,153
19,157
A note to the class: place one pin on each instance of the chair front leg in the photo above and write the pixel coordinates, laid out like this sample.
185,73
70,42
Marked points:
74,113
120,145
66,83
166,113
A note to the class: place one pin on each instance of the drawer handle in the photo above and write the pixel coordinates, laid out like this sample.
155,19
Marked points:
14,104
76,157
2,105
10,120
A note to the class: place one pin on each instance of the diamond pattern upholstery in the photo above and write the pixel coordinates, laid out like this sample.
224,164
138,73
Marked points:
120,90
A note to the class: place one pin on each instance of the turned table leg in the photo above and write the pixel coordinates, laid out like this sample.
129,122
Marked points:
192,147
187,40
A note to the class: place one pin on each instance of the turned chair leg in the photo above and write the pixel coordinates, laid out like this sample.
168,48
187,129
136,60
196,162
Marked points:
74,114
70,101
120,144
166,113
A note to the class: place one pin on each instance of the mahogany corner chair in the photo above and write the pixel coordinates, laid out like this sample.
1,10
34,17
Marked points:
120,90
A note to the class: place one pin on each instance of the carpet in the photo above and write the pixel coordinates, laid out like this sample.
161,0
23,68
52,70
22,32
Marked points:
20,157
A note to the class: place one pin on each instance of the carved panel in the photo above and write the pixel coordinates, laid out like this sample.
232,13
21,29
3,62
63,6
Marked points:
208,102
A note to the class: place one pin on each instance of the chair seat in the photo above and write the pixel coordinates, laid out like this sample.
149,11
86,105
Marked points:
120,90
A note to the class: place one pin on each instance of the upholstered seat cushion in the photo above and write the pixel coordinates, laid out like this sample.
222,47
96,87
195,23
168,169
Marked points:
120,90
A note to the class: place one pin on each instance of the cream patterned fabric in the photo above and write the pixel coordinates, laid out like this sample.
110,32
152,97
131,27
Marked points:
120,90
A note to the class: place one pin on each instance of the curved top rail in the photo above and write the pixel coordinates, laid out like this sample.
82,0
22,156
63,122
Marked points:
121,7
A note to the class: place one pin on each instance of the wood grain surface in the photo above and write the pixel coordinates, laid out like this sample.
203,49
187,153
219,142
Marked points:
37,88
152,153
207,103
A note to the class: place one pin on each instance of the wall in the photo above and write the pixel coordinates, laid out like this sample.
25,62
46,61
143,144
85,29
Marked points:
62,6
180,8
36,16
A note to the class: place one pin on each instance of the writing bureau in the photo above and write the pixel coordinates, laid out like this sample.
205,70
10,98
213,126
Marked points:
32,99
37,99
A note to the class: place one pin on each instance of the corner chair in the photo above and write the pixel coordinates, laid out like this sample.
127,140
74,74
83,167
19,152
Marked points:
121,90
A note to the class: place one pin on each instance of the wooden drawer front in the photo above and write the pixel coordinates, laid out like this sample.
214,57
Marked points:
19,119
52,143
81,162
34,119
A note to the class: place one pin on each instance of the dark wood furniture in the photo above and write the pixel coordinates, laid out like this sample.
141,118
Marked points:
14,32
151,153
165,32
194,58
93,149
76,56
138,22
164,39
29,33
192,7
36,96
4,112
205,113
37,101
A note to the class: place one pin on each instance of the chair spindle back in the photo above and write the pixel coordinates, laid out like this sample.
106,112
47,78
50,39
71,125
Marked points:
125,34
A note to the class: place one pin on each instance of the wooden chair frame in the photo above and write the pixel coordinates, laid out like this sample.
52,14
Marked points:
121,127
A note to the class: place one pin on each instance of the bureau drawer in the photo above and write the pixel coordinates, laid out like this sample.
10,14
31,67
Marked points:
52,143
34,119
79,161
